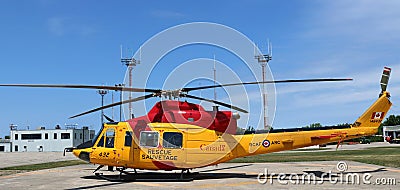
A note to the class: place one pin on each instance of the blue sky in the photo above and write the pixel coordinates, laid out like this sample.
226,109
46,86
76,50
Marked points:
79,43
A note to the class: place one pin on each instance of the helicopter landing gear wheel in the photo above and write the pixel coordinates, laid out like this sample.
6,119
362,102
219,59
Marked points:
183,171
120,177
124,176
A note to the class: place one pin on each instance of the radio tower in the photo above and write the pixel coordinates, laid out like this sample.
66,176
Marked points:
263,60
130,63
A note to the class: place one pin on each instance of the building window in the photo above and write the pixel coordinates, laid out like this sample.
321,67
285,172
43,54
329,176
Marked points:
16,148
91,135
1,148
65,135
172,140
149,139
80,135
31,136
74,135
46,136
55,135
16,136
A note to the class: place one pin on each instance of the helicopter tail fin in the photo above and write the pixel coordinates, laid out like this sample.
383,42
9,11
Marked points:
375,114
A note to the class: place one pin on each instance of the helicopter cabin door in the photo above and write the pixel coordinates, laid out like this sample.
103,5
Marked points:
161,149
124,146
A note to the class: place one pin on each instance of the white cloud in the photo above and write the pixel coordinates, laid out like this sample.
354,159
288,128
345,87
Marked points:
363,20
354,39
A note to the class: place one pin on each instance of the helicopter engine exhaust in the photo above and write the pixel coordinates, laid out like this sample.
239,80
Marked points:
236,115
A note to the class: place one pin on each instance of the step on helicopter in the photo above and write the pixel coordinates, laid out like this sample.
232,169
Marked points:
178,135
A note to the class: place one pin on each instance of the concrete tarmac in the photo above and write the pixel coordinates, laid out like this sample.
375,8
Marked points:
225,176
288,175
8,159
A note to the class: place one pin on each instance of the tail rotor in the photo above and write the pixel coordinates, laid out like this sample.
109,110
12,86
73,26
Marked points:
385,79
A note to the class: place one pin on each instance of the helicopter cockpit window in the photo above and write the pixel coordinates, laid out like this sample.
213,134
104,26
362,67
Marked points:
128,138
101,142
172,140
110,136
149,139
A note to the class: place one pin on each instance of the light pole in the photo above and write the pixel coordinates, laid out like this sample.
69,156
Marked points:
102,93
130,63
263,61
120,99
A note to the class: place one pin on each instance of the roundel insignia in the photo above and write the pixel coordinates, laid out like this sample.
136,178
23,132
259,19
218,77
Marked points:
266,143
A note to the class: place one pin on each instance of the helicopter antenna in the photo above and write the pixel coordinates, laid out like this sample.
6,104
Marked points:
130,63
263,60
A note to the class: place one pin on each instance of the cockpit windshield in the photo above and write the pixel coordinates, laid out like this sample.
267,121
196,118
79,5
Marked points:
97,135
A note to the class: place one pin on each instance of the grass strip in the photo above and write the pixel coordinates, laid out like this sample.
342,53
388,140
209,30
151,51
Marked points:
41,166
384,156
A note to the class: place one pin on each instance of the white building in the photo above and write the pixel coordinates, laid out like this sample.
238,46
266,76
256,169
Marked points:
5,145
46,140
392,131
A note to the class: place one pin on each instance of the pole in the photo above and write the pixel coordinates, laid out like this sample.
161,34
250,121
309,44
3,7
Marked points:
264,98
130,68
120,99
102,111
112,101
120,106
263,61
130,63
215,80
102,93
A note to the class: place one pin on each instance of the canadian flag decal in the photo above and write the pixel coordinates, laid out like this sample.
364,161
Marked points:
377,115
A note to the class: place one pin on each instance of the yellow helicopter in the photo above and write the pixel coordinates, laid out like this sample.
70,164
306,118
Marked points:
178,135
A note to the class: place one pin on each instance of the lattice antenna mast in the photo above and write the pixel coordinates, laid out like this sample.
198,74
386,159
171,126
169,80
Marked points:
130,63
263,60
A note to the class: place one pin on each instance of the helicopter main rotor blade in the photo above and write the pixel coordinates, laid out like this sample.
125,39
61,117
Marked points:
117,88
216,102
274,81
129,89
114,104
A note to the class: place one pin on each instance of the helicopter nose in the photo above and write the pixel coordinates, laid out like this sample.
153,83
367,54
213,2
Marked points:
82,154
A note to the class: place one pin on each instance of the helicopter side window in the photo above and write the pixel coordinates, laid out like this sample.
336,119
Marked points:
110,136
172,140
149,139
128,138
